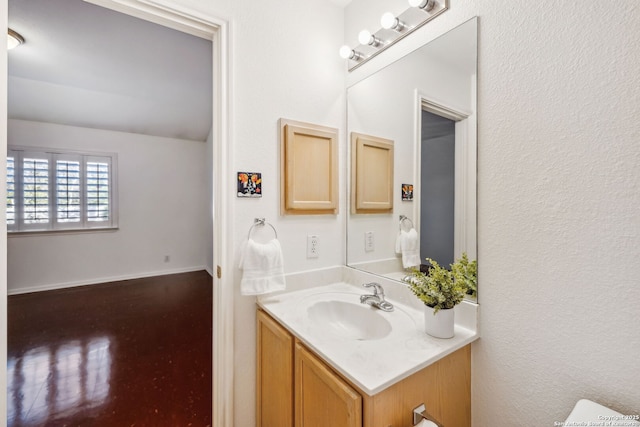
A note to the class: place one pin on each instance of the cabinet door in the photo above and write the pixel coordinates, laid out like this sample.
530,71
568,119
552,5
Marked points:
322,398
274,400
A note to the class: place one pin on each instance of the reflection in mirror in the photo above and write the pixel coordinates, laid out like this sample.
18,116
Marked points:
426,103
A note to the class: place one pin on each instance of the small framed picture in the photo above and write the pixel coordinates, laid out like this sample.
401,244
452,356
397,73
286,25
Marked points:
407,192
249,184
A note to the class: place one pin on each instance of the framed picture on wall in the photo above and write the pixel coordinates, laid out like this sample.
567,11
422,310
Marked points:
249,184
407,192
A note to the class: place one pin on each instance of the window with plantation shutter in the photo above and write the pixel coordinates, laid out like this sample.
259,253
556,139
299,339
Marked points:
97,191
35,190
11,191
68,191
51,190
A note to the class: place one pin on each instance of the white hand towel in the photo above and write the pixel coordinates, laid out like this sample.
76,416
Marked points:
262,268
407,245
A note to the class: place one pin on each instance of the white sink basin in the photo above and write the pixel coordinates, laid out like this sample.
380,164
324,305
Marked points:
371,348
349,320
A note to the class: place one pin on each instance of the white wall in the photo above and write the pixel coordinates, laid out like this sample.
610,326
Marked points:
558,198
284,65
162,184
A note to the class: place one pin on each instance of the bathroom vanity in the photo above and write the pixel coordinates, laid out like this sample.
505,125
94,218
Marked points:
314,370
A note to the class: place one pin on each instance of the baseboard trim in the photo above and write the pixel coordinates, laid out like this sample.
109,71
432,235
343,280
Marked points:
96,281
209,269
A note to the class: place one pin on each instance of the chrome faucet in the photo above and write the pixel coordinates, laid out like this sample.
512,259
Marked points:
377,298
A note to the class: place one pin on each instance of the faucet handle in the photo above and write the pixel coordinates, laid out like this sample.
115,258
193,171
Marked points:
377,288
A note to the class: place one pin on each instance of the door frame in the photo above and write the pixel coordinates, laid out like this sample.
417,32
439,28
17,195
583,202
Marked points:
4,21
465,202
217,30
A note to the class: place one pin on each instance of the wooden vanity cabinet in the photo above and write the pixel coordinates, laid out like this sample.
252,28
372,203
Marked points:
321,395
296,388
274,372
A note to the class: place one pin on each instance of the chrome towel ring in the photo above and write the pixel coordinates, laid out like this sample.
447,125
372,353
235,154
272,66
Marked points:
261,222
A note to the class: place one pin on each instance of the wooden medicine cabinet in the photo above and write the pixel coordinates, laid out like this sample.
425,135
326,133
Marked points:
309,168
371,174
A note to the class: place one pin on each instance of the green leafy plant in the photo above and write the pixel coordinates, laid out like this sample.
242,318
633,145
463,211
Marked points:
441,288
466,271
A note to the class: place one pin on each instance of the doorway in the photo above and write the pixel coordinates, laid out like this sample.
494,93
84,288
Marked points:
437,188
446,157
217,31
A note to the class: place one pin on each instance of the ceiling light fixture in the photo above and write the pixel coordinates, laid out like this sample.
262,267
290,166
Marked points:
14,39
427,5
390,22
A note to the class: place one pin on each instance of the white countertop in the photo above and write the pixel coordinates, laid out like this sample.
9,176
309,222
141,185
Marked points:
373,364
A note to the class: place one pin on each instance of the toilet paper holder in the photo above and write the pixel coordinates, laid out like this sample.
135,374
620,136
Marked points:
420,413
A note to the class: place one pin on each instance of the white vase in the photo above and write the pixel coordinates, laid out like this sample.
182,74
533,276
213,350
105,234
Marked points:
439,325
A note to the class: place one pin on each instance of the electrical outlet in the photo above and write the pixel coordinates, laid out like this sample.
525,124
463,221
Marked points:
312,246
369,241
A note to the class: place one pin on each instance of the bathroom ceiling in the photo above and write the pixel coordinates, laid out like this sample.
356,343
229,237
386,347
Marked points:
341,3
84,65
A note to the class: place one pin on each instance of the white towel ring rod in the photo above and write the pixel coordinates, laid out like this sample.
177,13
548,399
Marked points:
262,222
405,218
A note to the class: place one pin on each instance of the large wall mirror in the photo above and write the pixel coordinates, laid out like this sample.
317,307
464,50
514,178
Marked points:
425,103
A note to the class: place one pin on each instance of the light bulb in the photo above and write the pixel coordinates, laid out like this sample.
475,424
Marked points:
345,52
427,5
364,37
388,20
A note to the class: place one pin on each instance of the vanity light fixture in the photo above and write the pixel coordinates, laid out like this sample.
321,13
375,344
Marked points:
390,22
427,5
366,38
14,39
347,53
394,28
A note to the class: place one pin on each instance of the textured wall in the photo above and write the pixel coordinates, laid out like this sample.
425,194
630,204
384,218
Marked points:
558,199
559,222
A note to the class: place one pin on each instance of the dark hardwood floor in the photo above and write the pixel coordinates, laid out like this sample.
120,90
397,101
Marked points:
130,353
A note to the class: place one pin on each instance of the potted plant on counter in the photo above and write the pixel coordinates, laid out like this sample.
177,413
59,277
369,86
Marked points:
467,272
441,290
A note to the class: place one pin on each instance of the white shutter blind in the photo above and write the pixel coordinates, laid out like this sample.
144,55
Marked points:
98,191
60,190
35,190
11,190
68,189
